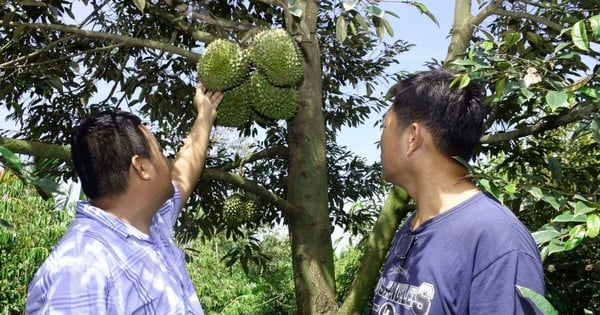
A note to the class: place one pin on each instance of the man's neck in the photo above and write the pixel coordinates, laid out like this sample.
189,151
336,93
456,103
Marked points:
127,210
437,193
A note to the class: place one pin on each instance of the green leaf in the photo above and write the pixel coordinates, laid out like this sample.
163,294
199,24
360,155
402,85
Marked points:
593,225
591,91
579,36
11,158
464,81
388,27
510,38
557,99
140,4
552,200
555,168
376,11
379,28
539,300
349,4
561,46
423,9
535,191
341,32
555,247
543,236
581,208
392,14
595,25
568,218
487,45
510,188
361,21
74,65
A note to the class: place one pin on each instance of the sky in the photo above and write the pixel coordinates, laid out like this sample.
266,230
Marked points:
429,40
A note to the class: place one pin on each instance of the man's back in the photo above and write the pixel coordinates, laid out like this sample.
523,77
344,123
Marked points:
464,261
104,265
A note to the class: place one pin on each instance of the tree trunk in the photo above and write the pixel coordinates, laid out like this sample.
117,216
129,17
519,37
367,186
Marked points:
378,244
310,228
462,30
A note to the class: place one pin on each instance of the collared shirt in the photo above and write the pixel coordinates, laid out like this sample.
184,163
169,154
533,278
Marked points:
103,265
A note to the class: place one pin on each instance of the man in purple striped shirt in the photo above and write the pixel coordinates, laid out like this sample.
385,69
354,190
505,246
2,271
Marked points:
118,255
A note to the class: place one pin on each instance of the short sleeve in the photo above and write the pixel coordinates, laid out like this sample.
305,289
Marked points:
493,290
170,209
71,289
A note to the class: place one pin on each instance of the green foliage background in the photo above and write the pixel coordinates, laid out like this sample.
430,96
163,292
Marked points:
34,229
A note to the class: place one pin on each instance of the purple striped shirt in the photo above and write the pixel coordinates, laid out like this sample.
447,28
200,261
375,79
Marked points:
103,265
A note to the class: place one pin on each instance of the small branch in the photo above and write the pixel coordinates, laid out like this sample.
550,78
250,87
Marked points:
486,12
524,15
250,186
270,152
122,39
575,114
226,24
35,53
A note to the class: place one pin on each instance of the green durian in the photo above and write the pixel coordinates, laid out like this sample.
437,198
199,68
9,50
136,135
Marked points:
271,101
235,108
223,65
234,210
277,56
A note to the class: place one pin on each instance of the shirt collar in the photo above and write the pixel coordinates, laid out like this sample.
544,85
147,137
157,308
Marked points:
120,227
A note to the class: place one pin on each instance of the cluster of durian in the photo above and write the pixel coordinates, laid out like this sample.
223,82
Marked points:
259,83
239,209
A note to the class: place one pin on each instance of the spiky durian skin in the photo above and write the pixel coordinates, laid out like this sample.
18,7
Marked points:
235,107
251,209
223,65
271,101
234,212
275,54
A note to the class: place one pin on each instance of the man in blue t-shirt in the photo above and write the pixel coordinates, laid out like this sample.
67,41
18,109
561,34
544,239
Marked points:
460,252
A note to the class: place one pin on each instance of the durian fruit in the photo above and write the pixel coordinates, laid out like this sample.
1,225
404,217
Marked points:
235,108
234,210
223,65
251,208
271,101
275,54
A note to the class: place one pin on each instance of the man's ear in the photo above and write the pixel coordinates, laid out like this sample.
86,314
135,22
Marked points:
140,167
415,138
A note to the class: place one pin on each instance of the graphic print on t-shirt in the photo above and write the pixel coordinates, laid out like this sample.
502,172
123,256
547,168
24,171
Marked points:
417,299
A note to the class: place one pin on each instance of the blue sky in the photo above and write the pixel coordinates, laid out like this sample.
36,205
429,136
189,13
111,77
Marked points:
429,40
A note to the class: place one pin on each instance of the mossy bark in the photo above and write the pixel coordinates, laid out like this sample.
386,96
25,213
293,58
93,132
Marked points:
378,243
309,226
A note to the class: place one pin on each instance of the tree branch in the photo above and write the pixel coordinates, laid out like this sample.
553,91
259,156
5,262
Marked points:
573,268
270,152
486,12
122,39
39,149
251,186
524,15
394,210
63,153
575,114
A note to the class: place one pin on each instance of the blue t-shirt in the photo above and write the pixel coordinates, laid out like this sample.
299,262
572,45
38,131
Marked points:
467,260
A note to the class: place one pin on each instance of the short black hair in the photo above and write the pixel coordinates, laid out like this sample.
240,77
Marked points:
102,147
453,115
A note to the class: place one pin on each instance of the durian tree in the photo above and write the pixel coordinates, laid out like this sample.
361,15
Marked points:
143,56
